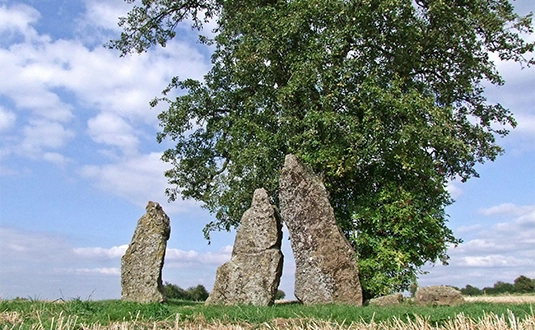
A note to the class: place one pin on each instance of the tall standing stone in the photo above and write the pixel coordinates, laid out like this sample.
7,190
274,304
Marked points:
326,267
141,266
252,275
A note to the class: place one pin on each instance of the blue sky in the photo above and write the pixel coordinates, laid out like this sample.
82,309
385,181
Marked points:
79,162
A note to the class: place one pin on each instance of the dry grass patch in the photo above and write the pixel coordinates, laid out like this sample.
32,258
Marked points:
10,317
509,299
460,322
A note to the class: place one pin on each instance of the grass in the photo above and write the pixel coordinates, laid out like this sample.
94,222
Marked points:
19,314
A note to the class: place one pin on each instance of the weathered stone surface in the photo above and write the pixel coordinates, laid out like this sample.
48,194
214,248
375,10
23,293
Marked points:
326,267
253,274
141,266
393,299
438,295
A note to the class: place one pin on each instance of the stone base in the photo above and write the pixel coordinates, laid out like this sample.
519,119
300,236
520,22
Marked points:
236,284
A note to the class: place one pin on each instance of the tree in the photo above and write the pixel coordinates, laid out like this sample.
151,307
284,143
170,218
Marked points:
502,287
198,293
471,291
194,293
524,284
173,291
280,295
384,99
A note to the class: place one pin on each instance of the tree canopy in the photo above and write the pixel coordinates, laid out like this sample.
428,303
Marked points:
384,99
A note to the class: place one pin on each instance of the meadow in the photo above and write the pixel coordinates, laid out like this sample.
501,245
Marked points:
118,315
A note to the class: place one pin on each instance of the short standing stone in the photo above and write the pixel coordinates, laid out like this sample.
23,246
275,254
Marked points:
326,266
141,266
252,275
438,295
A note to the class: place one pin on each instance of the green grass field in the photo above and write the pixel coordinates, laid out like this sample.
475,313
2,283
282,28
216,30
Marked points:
115,314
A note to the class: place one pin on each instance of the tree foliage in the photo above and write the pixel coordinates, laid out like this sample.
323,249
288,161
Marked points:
196,293
382,98
471,291
524,284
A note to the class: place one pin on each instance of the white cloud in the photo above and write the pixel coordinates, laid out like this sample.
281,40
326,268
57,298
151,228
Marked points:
526,124
32,69
104,14
41,134
44,265
491,261
110,129
113,271
56,158
101,253
499,252
125,86
54,81
17,20
137,179
175,258
467,229
7,119
20,246
454,189
506,209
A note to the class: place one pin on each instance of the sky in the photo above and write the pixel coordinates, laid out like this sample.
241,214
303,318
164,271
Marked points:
79,161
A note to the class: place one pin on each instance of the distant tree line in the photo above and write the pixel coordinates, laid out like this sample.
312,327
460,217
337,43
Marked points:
522,284
194,293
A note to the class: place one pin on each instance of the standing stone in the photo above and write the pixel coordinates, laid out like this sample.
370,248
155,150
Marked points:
141,266
326,266
438,295
252,275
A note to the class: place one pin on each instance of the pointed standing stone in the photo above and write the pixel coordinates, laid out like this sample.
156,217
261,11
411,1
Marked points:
252,275
141,266
326,267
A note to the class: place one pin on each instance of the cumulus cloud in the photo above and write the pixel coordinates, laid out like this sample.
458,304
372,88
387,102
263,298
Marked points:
7,119
20,246
110,129
53,81
499,252
526,123
491,261
103,14
137,179
16,20
43,134
110,271
454,189
101,253
509,209
175,258
56,158
32,69
43,264
57,84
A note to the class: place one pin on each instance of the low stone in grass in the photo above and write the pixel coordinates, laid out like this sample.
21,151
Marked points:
438,295
141,266
393,299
